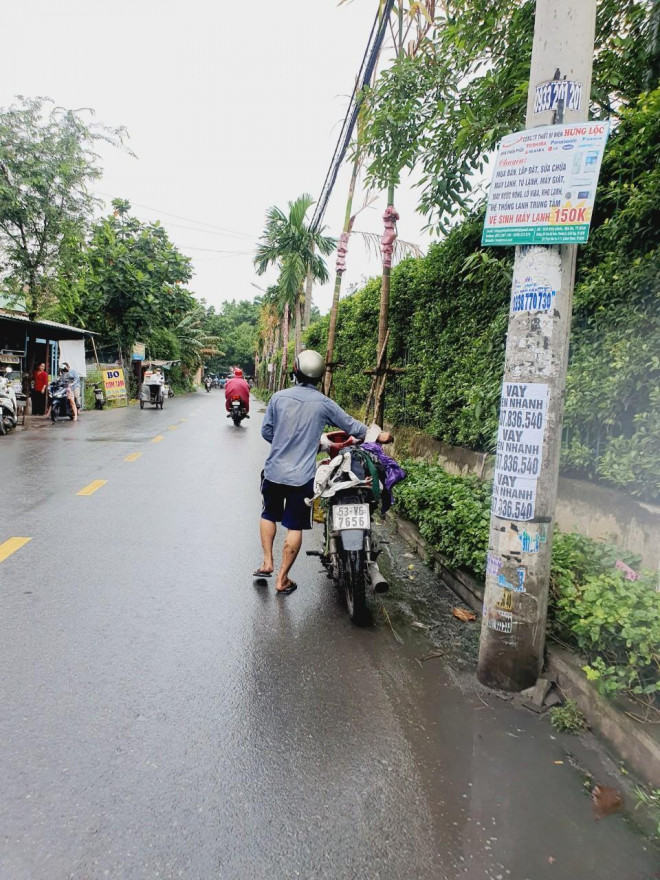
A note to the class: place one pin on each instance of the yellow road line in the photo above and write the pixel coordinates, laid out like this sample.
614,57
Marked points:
157,439
133,456
172,427
11,546
89,490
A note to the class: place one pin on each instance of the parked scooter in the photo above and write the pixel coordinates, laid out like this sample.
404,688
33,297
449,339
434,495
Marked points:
99,398
60,405
8,404
343,486
237,412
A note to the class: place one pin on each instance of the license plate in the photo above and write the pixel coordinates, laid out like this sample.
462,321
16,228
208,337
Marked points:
350,516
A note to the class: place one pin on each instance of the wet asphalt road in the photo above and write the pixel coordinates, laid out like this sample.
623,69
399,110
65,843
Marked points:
162,716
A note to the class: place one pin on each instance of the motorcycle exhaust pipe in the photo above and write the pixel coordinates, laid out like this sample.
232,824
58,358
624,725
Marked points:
376,579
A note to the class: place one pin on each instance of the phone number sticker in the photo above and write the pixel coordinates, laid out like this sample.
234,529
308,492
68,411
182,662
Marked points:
529,296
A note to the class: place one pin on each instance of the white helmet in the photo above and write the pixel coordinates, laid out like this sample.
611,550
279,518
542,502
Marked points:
309,366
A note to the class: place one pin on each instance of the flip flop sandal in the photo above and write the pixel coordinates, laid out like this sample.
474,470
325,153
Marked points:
292,586
262,574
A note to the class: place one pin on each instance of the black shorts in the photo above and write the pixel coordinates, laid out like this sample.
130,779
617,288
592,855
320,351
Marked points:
286,504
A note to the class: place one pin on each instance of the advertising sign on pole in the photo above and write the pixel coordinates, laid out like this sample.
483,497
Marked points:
114,383
544,185
523,412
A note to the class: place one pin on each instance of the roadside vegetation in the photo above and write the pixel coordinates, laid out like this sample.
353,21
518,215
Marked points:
613,622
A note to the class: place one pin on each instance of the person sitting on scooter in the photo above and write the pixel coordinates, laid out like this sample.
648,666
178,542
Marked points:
73,391
237,387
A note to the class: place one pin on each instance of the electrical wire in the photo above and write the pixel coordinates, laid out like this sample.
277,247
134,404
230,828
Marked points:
369,59
189,219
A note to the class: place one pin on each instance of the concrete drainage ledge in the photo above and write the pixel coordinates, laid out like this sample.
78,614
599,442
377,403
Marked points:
626,738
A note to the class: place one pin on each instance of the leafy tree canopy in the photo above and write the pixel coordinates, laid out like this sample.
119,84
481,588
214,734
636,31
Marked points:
236,324
133,279
47,161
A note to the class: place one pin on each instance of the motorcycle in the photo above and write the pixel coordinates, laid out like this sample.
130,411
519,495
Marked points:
99,399
8,404
344,488
208,384
237,411
60,405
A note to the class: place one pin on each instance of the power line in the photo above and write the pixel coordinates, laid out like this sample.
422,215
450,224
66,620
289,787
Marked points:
204,231
191,247
369,59
189,219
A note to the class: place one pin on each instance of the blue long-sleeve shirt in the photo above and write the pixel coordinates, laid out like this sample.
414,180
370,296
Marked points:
293,424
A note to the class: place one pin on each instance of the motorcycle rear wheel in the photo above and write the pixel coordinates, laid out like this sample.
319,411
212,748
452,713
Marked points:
352,576
3,430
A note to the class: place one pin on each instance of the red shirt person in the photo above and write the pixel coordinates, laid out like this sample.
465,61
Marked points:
39,400
237,387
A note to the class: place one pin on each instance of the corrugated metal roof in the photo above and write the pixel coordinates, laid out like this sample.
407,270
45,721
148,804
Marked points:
22,318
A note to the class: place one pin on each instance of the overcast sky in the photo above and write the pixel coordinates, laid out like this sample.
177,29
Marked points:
231,107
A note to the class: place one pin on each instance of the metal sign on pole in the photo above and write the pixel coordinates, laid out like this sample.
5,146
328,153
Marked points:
529,438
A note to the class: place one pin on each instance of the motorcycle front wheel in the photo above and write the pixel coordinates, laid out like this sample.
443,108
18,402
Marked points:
353,570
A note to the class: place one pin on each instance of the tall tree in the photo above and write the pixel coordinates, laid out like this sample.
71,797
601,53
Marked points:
47,161
288,243
133,280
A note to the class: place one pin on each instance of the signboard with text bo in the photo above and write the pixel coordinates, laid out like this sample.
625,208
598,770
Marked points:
114,383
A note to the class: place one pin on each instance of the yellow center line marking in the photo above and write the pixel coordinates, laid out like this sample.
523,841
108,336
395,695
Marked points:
172,427
157,439
133,456
89,490
183,420
11,546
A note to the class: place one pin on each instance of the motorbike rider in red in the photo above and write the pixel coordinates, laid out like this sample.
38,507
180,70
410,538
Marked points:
237,387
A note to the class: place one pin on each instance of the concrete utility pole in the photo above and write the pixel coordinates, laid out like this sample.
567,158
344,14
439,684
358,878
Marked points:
520,546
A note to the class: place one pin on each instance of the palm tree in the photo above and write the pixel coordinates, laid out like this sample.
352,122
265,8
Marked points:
194,340
288,242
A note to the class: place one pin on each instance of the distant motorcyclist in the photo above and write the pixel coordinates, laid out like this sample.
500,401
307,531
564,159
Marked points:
237,387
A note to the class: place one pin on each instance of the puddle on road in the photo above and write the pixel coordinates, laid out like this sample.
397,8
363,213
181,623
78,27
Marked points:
105,439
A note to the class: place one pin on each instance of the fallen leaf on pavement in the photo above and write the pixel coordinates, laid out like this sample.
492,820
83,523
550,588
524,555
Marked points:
606,801
464,615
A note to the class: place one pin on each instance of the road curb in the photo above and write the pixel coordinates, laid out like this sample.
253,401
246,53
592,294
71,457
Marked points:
627,739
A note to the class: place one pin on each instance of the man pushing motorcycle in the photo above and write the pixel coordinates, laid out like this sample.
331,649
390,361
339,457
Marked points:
293,424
